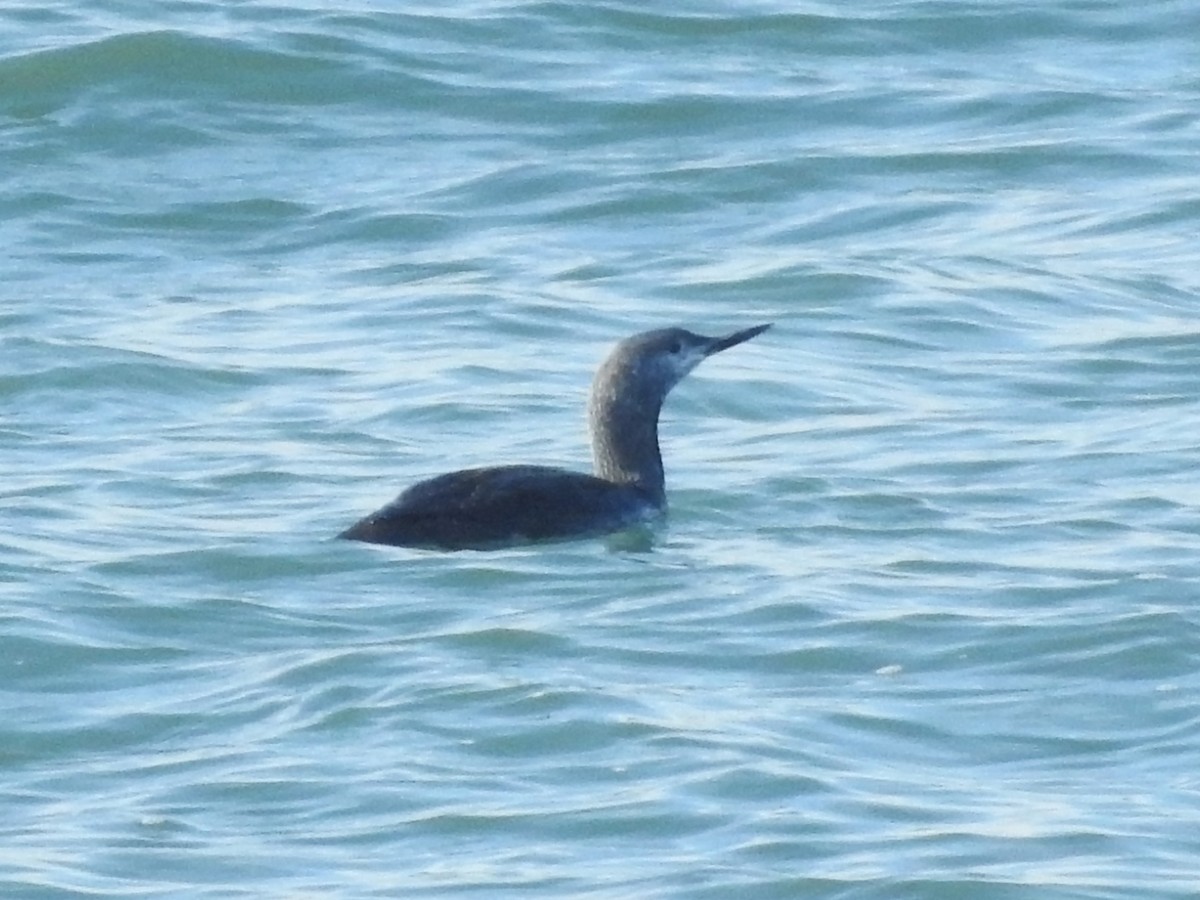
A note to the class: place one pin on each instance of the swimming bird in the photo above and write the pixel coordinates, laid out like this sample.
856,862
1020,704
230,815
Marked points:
500,506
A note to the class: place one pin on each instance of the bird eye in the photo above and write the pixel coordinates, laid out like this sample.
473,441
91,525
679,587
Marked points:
676,347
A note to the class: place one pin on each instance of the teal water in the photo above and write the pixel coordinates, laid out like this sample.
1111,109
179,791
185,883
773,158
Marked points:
924,622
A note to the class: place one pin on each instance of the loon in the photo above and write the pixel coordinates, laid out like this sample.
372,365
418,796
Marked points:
503,506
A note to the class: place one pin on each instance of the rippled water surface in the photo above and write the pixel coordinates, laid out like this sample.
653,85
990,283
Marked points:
924,622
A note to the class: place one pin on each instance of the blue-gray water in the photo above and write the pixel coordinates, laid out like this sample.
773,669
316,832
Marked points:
925,621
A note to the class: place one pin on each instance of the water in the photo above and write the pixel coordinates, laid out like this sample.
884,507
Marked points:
924,622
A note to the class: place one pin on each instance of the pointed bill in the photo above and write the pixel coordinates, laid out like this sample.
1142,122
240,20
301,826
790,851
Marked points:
724,343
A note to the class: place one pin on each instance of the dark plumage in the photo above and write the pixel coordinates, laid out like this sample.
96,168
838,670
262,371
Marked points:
504,505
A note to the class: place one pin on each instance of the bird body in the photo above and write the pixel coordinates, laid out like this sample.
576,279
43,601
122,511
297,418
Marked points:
501,506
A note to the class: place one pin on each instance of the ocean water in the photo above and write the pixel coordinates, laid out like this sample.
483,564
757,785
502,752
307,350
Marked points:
925,622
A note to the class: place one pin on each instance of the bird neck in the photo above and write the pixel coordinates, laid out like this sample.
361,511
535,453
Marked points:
624,429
